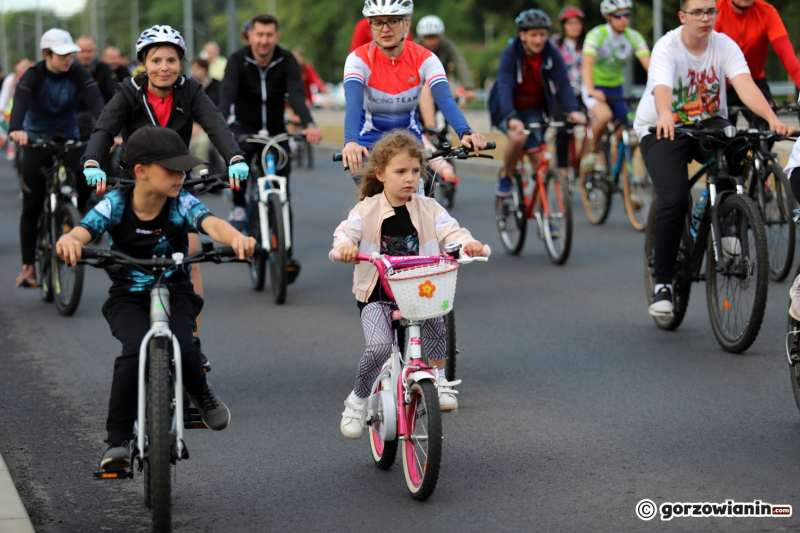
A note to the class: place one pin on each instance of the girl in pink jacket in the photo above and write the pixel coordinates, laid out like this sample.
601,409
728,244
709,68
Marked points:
393,220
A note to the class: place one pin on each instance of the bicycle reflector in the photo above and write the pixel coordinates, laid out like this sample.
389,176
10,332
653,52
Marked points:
125,474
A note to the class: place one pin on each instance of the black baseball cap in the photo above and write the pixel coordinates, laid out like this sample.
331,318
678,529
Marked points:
163,146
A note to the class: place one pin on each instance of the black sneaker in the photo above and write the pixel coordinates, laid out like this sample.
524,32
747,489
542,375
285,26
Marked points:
203,358
215,414
292,270
116,457
661,304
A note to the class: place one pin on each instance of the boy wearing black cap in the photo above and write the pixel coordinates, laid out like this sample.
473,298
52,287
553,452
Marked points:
152,218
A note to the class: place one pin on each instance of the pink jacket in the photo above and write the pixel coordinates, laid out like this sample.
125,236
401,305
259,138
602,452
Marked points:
362,228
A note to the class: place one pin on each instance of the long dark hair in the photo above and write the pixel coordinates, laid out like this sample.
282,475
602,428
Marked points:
395,142
559,38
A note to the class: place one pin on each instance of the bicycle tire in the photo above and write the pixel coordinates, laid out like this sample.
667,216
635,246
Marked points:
258,263
778,224
735,210
67,281
277,253
309,156
596,195
384,452
512,220
43,261
637,189
681,280
159,438
558,243
794,347
451,348
422,412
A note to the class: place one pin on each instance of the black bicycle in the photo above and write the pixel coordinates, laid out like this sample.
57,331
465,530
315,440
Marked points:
736,256
57,280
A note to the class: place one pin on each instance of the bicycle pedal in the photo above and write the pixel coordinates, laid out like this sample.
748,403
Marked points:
193,420
125,474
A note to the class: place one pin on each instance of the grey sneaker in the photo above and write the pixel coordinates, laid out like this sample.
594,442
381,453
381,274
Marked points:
215,414
116,457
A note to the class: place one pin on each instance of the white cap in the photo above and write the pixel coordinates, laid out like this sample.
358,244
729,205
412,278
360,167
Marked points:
59,41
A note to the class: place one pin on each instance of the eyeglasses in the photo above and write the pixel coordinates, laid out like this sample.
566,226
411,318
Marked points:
698,15
379,24
621,15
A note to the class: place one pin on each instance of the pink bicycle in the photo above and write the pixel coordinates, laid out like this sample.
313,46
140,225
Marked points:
404,405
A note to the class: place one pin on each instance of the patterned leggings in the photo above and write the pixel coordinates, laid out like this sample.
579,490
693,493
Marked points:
379,337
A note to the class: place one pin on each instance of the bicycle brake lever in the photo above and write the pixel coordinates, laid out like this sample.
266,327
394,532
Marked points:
485,156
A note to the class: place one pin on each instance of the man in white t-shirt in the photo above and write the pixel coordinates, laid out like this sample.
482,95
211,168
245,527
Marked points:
686,83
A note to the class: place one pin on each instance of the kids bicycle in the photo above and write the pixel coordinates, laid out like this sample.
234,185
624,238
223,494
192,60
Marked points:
403,409
164,410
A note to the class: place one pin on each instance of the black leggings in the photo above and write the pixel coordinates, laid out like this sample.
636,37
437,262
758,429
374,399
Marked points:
128,315
34,191
795,184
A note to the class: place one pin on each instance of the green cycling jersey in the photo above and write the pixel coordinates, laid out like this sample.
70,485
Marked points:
612,51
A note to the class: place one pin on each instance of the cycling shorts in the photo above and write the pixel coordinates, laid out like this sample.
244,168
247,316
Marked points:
535,139
619,108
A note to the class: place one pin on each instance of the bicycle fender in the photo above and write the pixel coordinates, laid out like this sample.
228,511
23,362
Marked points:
421,375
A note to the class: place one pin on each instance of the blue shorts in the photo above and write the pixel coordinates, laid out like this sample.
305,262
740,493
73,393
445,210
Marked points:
619,108
535,139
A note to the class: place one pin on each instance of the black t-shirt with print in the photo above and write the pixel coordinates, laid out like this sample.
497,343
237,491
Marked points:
398,237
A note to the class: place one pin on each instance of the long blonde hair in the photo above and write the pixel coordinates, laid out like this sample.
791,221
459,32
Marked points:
395,142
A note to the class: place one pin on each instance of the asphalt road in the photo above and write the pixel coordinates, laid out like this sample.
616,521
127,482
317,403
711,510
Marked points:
574,406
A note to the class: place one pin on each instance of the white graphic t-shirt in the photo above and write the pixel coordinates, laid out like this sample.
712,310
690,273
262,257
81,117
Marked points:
697,82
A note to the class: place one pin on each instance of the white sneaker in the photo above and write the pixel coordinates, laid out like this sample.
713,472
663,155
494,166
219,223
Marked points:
447,395
353,418
794,294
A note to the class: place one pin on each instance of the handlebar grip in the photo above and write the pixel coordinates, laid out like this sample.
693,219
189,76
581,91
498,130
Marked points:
490,146
93,253
335,256
486,251
337,157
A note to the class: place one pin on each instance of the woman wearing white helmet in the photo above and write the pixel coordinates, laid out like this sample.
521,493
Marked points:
606,50
161,96
383,81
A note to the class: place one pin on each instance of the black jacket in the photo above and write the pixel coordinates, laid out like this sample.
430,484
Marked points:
129,110
255,95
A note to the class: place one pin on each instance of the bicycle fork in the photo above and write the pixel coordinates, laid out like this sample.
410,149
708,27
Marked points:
716,224
266,188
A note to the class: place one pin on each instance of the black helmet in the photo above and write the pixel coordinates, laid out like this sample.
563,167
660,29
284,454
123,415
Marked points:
531,19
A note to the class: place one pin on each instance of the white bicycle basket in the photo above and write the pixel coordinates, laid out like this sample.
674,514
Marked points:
424,291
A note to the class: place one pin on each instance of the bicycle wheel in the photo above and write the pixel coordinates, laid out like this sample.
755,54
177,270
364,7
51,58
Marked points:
451,348
277,253
596,191
776,203
637,189
67,279
159,438
793,345
43,261
512,221
258,263
383,452
681,280
737,295
557,227
422,451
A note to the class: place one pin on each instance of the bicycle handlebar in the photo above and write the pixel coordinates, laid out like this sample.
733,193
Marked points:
100,257
462,152
376,257
202,184
66,145
726,134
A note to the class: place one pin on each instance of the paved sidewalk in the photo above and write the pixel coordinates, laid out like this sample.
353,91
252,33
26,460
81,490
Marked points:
13,516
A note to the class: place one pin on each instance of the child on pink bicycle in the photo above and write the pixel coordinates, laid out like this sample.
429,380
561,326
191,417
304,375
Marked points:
393,220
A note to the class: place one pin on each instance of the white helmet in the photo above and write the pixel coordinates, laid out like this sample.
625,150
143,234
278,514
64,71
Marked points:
375,8
159,34
430,25
610,6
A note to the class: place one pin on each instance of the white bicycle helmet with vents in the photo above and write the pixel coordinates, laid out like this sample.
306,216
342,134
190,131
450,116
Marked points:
430,25
376,8
159,35
610,6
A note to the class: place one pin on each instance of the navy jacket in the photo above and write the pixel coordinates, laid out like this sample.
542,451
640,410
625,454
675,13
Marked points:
553,74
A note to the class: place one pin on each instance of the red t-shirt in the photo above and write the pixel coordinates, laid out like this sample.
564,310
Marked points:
530,93
758,26
162,107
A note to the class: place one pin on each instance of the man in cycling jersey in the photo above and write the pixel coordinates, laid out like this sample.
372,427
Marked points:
687,83
522,92
430,32
753,25
257,79
606,51
45,105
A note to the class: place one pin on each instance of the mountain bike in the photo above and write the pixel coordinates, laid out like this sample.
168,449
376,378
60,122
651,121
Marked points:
57,280
542,195
164,410
269,214
403,409
623,164
735,255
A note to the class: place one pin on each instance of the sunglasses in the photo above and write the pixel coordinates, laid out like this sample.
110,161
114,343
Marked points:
621,15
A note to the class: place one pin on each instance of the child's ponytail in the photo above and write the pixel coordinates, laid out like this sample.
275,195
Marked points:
393,143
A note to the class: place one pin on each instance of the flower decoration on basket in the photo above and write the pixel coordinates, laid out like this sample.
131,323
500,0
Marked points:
427,289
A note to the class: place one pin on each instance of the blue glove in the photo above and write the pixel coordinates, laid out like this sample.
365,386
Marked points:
94,175
239,170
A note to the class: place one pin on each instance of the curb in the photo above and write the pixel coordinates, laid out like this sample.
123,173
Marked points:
13,516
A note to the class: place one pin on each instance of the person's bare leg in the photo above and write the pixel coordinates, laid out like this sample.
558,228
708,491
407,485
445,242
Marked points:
601,116
512,152
196,276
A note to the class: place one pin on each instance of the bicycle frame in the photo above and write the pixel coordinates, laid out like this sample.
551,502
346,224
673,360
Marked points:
269,184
